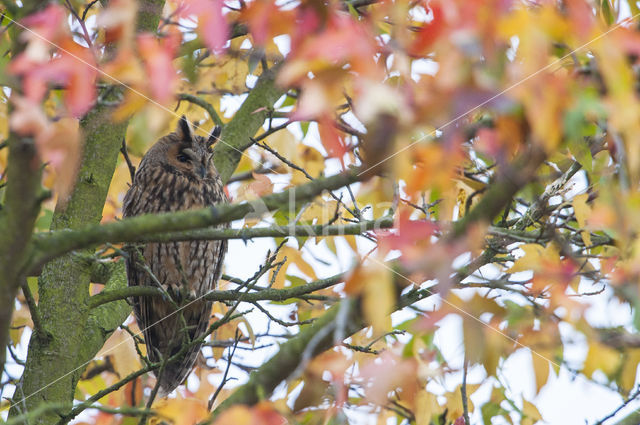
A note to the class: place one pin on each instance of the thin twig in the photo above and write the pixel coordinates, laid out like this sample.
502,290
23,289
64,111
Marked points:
125,154
226,371
463,390
632,397
33,310
87,8
204,105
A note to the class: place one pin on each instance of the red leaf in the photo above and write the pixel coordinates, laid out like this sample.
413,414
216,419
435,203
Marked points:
266,20
428,33
407,233
80,71
343,41
331,140
212,25
73,68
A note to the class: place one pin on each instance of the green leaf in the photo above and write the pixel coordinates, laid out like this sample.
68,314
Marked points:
44,221
305,127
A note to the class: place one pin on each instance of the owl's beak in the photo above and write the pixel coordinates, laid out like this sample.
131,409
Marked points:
202,171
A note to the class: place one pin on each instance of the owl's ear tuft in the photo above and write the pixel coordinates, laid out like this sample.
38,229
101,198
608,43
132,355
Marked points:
214,136
184,130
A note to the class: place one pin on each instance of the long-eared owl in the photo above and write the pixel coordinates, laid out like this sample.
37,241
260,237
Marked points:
177,173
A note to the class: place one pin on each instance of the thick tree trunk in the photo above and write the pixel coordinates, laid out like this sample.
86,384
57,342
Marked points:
55,363
75,332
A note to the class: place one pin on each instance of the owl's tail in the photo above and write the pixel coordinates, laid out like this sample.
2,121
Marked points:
169,340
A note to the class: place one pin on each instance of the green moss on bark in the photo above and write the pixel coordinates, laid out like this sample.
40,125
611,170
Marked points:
245,123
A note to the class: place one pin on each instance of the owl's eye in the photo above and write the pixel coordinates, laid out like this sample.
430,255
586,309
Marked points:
182,157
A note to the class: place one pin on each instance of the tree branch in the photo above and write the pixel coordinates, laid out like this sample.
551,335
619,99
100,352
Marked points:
320,336
204,105
311,230
513,177
110,295
54,244
245,123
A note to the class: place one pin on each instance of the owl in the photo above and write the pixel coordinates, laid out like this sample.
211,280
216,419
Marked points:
177,173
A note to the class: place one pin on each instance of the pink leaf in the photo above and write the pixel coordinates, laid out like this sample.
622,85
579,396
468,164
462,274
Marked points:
212,25
46,23
158,60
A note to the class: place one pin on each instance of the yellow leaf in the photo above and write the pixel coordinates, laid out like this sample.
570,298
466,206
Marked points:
294,256
89,387
629,369
311,160
582,211
226,75
601,357
4,121
454,402
284,143
530,413
19,320
379,297
426,407
121,347
251,334
533,257
377,194
319,211
131,104
179,411
235,415
540,369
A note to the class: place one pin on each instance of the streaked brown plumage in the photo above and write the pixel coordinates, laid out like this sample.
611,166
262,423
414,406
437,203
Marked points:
177,173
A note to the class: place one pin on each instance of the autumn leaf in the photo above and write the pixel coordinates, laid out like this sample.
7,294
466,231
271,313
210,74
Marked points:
267,20
212,25
158,56
379,295
531,414
428,33
261,414
582,212
179,411
603,358
331,139
121,348
390,373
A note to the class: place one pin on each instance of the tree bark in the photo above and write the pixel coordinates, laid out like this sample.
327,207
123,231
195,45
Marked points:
54,364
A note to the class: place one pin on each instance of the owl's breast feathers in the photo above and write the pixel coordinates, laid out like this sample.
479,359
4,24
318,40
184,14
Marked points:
185,270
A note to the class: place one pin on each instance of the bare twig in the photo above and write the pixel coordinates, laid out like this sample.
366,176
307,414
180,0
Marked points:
125,154
226,371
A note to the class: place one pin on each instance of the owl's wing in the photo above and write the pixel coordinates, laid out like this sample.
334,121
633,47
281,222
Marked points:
133,204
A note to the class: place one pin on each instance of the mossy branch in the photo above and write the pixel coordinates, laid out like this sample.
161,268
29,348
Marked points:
204,105
319,336
17,220
513,177
54,244
271,294
275,231
245,123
